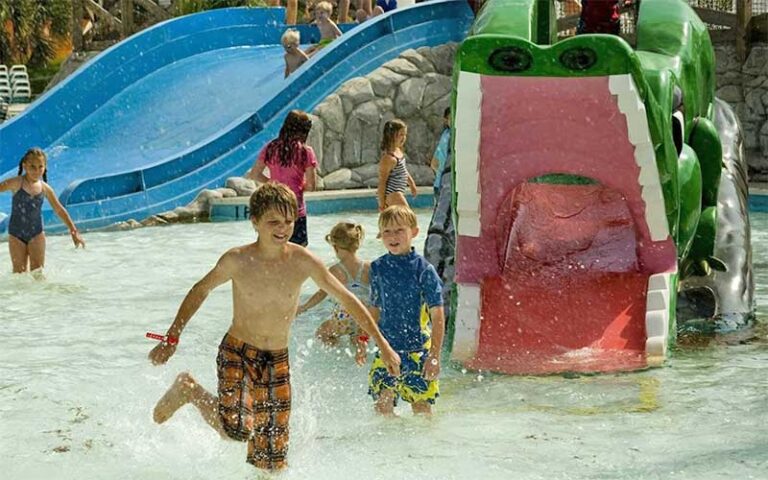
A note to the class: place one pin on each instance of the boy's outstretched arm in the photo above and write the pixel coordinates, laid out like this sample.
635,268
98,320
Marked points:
220,274
318,297
432,365
326,281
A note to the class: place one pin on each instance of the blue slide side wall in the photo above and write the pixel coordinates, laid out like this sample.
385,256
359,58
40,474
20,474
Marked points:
101,201
67,104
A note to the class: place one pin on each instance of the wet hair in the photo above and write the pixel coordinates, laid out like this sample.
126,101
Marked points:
398,214
346,236
391,129
291,37
324,7
35,152
288,147
273,196
447,112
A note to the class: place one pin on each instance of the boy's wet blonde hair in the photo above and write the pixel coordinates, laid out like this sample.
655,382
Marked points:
273,196
346,236
397,214
291,37
324,7
391,129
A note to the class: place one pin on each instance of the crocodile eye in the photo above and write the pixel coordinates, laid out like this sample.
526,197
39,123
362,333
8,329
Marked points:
579,58
510,59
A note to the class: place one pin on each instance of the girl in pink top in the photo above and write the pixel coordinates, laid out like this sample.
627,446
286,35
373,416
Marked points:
292,163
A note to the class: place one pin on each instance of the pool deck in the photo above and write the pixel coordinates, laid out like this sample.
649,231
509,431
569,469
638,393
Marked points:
318,203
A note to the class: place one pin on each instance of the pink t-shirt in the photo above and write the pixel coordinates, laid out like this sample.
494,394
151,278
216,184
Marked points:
292,176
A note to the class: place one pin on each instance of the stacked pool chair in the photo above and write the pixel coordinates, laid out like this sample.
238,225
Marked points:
15,89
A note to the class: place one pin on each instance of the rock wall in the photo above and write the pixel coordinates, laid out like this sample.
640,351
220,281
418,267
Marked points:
347,126
745,87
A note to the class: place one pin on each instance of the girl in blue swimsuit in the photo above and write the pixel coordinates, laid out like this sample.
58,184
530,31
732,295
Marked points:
345,238
26,238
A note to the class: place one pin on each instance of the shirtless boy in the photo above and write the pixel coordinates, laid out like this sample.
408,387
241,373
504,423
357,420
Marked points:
294,56
254,391
329,31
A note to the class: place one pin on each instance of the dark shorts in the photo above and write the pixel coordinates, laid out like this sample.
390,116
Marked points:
255,400
299,236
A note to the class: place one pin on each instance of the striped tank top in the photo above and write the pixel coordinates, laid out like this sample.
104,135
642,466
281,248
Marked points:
398,177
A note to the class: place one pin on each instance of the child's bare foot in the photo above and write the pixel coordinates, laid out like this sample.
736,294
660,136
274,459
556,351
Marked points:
176,397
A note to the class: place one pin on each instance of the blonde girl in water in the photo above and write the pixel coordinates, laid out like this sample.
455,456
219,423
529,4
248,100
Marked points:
350,270
393,176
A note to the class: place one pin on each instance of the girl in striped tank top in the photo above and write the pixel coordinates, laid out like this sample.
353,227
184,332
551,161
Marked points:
393,176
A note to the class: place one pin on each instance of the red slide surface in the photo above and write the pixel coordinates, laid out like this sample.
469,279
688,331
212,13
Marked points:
570,296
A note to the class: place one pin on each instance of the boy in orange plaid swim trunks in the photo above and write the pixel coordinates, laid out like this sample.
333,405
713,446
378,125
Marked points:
254,394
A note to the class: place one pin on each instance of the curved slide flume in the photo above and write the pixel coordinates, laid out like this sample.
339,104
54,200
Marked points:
181,106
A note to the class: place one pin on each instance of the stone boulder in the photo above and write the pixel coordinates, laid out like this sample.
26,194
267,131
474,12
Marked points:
415,87
243,187
409,95
331,111
342,179
383,82
354,92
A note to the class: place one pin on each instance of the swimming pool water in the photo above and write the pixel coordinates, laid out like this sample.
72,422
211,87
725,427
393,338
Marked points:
77,392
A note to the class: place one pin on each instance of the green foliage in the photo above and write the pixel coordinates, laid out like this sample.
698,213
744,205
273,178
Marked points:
30,19
60,14
40,77
185,7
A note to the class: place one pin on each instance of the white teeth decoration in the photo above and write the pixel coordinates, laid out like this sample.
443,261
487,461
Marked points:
467,150
467,325
657,312
633,109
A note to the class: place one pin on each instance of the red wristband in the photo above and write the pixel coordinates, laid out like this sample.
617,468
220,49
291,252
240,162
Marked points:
363,338
163,338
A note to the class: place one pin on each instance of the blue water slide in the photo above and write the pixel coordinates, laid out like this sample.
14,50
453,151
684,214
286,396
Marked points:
179,107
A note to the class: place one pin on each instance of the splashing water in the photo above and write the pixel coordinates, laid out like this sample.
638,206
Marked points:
77,391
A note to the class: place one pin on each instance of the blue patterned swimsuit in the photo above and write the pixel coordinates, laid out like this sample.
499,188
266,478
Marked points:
26,215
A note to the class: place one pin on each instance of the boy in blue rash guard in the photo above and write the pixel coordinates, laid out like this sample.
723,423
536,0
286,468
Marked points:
403,287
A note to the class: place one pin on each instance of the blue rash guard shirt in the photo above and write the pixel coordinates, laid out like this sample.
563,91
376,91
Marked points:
400,285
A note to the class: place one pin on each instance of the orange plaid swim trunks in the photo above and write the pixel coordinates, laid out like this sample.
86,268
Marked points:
255,400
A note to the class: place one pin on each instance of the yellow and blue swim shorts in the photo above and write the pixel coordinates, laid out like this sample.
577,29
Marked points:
410,385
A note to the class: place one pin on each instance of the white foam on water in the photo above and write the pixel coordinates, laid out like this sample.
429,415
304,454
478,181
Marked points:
77,391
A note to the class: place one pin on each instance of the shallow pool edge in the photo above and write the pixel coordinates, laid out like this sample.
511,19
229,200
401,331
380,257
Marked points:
318,203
